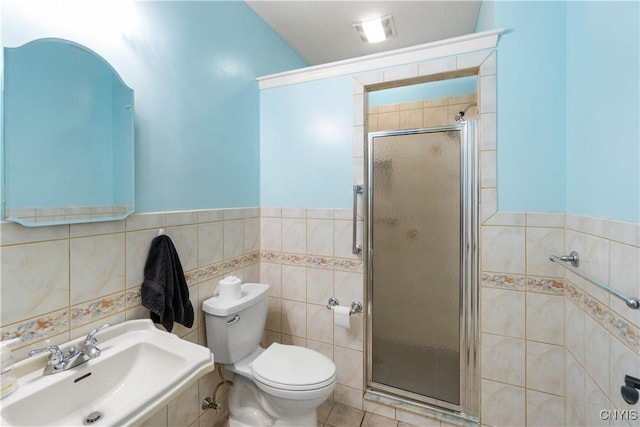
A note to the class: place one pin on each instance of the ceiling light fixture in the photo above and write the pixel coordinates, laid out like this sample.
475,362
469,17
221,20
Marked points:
376,30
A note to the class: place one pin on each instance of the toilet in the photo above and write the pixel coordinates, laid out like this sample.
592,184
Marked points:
281,385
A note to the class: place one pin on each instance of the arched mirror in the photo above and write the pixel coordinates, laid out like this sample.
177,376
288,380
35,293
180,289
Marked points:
68,149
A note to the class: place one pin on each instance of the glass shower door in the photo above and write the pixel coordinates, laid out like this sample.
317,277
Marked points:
415,234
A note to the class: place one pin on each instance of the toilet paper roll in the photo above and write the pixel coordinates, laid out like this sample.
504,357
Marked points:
341,316
230,288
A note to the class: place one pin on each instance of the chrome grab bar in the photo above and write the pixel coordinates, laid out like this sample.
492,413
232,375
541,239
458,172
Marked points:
573,258
357,189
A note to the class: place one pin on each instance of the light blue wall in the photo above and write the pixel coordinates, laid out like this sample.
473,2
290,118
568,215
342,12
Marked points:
566,71
305,148
531,106
430,90
603,114
193,67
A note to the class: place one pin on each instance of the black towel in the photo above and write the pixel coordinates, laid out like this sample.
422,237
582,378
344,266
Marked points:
164,290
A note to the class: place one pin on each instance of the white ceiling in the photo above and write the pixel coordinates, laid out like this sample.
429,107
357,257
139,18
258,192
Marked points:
322,31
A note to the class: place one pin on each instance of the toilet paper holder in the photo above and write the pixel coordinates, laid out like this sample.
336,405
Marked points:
356,306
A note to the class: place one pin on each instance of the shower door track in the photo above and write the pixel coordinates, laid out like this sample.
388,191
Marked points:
469,227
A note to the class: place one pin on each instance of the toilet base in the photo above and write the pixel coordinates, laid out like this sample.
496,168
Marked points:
251,407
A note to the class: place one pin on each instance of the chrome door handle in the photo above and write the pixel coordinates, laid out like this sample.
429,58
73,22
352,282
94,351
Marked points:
357,189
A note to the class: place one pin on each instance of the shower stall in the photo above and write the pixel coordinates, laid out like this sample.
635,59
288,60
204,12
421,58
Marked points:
421,252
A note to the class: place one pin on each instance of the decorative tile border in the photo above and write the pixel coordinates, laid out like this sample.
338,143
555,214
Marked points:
341,264
224,267
503,281
134,297
38,328
95,310
618,326
545,285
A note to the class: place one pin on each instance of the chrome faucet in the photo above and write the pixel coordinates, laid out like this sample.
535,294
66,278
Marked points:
58,362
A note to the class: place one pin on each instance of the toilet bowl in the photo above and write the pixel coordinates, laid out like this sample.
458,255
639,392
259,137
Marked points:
281,385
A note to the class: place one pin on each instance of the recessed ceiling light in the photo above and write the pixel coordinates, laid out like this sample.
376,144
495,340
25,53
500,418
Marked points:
376,30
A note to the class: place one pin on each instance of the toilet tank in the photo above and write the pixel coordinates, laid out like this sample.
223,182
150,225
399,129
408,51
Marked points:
234,328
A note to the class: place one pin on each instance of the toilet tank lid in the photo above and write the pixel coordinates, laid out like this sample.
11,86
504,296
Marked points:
251,294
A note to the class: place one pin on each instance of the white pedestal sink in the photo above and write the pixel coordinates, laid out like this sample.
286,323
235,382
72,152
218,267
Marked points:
139,370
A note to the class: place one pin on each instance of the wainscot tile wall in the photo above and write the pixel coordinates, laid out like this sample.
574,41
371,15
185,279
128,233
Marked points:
59,282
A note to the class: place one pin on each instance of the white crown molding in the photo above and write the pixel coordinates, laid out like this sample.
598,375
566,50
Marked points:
423,52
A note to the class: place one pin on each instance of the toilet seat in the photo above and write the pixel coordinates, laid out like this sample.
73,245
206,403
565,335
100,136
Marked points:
289,368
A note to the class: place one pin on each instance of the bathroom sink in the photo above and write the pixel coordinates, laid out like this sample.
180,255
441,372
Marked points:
139,371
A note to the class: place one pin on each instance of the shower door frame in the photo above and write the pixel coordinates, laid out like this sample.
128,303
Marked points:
469,266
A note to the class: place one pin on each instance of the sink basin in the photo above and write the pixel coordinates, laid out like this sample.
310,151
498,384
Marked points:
140,370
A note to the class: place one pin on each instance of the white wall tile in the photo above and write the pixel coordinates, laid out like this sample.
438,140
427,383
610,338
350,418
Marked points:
503,312
294,318
503,359
545,368
502,404
349,366
270,234
294,283
574,330
251,235
320,237
545,318
544,409
233,238
97,266
319,286
542,242
210,243
39,278
185,240
321,326
596,352
625,277
294,235
503,249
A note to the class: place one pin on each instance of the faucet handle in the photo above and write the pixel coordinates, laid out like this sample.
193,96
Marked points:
91,336
56,357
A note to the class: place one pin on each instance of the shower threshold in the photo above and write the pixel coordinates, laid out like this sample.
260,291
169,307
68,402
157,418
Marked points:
423,409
